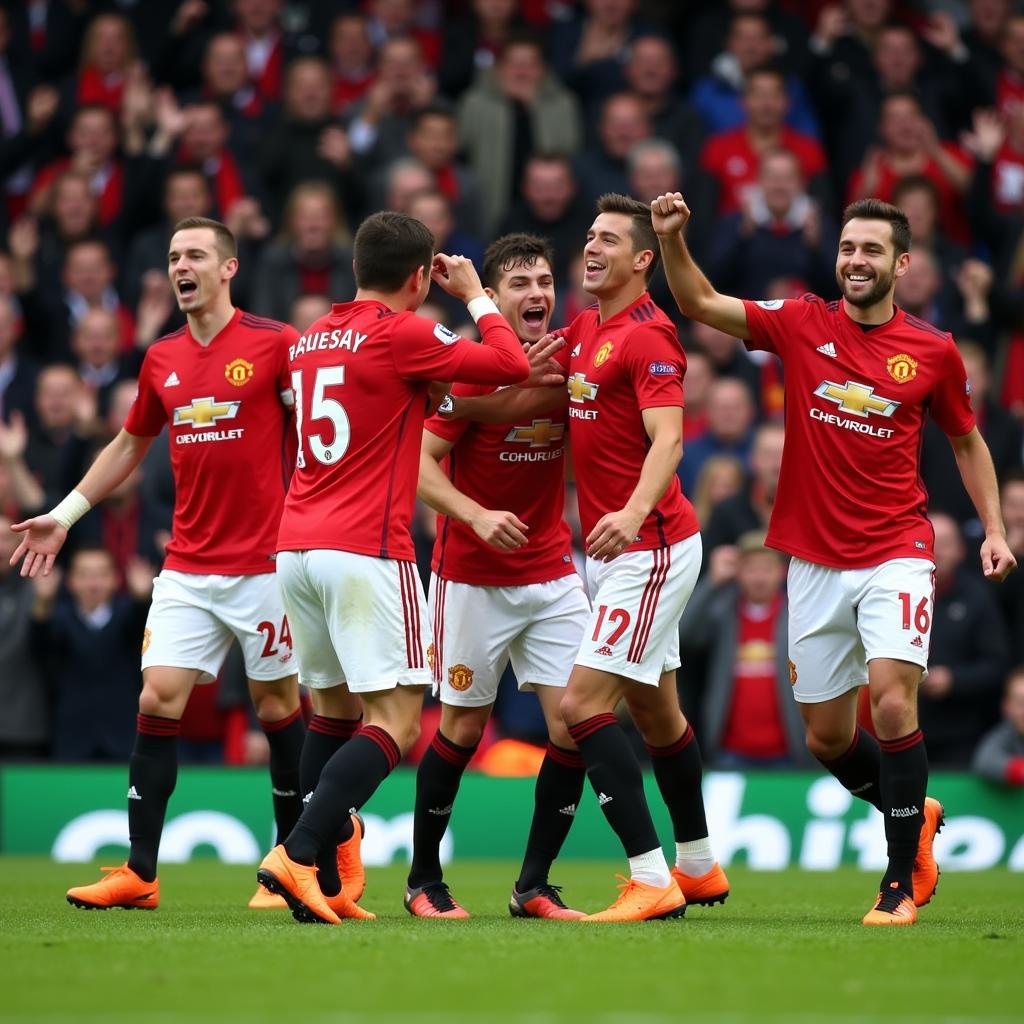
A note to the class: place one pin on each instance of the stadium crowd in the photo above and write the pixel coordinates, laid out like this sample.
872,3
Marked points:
291,121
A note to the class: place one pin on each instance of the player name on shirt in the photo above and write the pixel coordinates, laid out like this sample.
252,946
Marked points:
319,341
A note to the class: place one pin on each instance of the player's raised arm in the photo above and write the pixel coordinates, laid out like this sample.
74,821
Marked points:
693,292
45,534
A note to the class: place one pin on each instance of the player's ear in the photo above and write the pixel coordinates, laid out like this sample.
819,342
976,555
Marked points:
491,293
230,266
643,259
902,264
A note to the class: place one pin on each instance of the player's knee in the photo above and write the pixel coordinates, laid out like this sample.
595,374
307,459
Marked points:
465,731
161,696
558,733
826,742
572,708
273,707
893,713
408,735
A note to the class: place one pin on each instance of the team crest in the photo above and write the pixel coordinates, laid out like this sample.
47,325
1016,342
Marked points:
603,353
238,372
902,368
460,677
147,637
792,673
430,656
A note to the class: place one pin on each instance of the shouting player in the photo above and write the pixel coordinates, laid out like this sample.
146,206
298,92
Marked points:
504,588
850,510
346,558
625,405
222,384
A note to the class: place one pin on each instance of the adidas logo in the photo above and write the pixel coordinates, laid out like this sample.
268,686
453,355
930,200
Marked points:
576,350
285,792
172,380
308,797
133,794
828,349
440,811
917,642
606,651
904,812
604,798
570,811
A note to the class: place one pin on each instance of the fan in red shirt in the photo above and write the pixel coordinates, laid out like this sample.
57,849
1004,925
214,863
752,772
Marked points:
850,509
346,558
221,384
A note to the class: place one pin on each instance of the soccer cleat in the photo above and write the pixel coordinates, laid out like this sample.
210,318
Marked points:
433,900
264,899
639,901
894,906
347,908
120,887
926,871
542,901
350,861
297,884
704,890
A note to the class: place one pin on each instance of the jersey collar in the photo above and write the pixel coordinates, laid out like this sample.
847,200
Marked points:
235,317
644,297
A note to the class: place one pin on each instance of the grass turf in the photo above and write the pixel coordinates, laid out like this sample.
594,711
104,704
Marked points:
786,946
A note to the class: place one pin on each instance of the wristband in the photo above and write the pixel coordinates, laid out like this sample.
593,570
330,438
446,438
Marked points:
70,509
480,306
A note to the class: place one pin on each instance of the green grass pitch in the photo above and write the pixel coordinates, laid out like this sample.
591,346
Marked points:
786,947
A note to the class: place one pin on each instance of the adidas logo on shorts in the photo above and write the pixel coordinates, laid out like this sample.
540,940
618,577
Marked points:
917,642
605,651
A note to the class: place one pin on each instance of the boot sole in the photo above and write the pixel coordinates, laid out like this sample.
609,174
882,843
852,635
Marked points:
301,913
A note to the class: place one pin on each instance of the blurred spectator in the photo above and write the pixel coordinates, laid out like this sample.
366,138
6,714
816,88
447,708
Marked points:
92,638
1010,81
983,39
738,614
969,653
697,381
267,48
751,506
732,157
21,494
24,725
918,198
728,355
310,257
17,370
602,166
400,19
518,108
730,412
108,50
58,442
102,362
1011,591
472,43
405,179
1000,754
778,230
717,96
307,309
720,478
552,208
352,58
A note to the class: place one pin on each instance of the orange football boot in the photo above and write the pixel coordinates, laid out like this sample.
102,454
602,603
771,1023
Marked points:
926,871
542,901
297,884
639,901
347,908
120,887
433,900
705,890
894,906
264,899
350,861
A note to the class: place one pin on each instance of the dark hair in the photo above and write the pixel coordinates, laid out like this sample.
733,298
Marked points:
93,549
515,250
523,37
388,248
641,230
763,71
435,109
915,183
875,209
223,239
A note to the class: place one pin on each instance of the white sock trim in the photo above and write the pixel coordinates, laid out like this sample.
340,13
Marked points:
650,867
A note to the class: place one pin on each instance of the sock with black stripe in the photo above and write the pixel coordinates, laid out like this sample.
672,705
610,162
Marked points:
859,767
152,774
904,778
285,739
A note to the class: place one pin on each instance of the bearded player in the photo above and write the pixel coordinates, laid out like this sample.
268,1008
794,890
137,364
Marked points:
504,588
222,386
851,511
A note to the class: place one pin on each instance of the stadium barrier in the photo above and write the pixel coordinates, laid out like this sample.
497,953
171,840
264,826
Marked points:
769,821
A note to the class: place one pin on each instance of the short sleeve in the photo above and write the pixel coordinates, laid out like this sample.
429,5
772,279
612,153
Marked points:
770,322
656,365
950,403
289,336
147,416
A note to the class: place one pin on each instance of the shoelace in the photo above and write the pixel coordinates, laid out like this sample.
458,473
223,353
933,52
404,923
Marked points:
551,892
890,899
625,885
439,896
118,869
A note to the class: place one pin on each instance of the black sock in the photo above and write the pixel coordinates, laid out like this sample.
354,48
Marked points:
859,768
904,786
615,774
285,738
323,737
348,780
152,773
437,784
678,772
558,791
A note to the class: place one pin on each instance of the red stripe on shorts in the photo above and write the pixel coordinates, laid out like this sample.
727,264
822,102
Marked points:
649,605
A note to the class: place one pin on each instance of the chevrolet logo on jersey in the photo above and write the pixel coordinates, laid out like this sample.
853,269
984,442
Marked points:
857,399
205,412
580,389
540,434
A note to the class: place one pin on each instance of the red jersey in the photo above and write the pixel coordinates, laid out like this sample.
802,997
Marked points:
518,467
734,164
360,377
631,362
850,493
230,450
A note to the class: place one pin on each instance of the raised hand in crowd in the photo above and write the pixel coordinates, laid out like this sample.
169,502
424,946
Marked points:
987,135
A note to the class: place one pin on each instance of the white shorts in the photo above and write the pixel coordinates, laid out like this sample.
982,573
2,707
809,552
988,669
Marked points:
478,630
638,599
840,619
356,619
193,620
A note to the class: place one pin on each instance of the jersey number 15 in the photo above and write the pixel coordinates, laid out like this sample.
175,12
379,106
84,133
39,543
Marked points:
322,408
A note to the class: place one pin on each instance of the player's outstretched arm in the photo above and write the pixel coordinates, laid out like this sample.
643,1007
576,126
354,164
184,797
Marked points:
693,292
974,461
506,406
502,530
44,535
615,531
